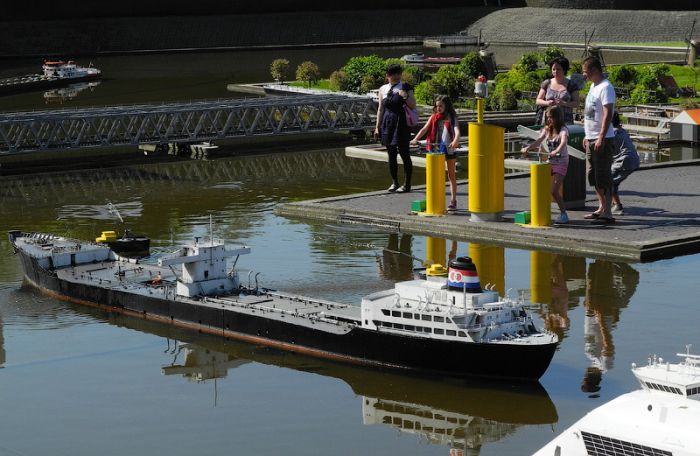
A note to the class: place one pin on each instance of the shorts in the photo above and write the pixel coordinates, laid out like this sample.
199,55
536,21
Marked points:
450,154
618,176
598,164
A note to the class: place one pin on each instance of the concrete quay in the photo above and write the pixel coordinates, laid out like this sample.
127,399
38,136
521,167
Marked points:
661,220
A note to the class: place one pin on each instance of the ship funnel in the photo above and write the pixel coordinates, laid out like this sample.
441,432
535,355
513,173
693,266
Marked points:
462,275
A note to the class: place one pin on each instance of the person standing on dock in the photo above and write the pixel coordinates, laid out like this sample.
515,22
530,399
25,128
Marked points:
599,141
558,91
392,127
556,136
625,162
442,130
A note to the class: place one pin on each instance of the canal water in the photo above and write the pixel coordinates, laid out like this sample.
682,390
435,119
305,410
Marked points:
75,381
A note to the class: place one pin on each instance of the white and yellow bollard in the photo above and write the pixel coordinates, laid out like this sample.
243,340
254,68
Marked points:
540,199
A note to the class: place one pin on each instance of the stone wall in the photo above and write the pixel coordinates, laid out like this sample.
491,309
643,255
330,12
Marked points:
661,5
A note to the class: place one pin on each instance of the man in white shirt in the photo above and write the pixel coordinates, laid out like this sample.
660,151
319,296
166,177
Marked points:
599,141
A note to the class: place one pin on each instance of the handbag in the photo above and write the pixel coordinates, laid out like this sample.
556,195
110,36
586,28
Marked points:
411,116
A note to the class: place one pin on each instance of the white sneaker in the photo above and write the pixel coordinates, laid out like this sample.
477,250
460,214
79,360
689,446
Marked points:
563,219
617,209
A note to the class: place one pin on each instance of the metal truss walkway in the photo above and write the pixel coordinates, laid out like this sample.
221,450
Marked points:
182,122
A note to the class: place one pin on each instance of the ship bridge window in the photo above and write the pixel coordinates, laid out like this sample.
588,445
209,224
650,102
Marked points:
691,391
668,389
462,334
416,316
408,315
439,331
451,332
439,319
385,312
395,313
427,317
601,445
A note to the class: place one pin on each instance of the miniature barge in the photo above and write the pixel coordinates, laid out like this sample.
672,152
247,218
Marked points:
445,325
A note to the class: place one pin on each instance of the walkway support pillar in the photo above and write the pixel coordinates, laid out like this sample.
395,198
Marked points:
435,184
540,199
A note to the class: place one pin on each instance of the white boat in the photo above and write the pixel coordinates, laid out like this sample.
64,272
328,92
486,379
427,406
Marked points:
660,419
69,71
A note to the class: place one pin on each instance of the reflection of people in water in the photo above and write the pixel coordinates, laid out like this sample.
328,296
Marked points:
609,288
557,319
396,262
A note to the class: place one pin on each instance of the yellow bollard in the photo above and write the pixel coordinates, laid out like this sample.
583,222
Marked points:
491,264
435,184
540,199
480,110
435,250
486,172
541,277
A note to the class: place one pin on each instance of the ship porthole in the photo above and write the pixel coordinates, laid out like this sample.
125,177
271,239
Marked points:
649,407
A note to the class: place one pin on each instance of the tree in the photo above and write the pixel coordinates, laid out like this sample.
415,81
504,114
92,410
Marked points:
358,67
622,75
279,69
309,72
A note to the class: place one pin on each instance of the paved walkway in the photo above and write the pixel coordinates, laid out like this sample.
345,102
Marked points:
662,217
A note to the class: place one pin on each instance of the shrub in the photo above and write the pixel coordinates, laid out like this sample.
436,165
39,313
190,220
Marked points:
529,61
576,67
279,69
413,75
370,82
339,81
358,67
309,72
451,80
550,53
503,99
622,75
425,91
472,65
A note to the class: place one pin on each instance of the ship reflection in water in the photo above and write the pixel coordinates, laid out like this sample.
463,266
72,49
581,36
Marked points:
448,412
61,94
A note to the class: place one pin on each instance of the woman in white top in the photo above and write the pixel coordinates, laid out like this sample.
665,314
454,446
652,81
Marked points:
391,125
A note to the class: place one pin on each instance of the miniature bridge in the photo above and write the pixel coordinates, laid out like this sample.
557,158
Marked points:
182,122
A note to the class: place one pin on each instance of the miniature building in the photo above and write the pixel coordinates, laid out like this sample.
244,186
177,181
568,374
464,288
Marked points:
686,126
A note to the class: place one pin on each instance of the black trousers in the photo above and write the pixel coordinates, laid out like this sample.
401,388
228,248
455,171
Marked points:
393,152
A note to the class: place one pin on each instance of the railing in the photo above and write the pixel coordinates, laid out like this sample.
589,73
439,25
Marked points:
181,122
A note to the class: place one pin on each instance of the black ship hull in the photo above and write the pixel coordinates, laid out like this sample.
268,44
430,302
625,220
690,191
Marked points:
358,346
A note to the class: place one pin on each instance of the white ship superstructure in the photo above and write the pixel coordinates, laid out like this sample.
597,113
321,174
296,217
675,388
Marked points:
660,419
